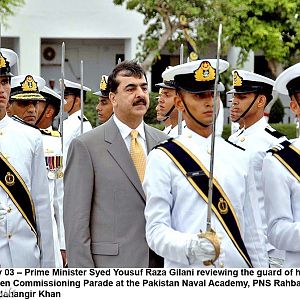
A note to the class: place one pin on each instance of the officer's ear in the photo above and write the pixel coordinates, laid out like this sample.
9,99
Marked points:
178,102
294,106
50,112
261,101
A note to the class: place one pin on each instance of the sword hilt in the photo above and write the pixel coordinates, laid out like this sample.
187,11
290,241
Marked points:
214,239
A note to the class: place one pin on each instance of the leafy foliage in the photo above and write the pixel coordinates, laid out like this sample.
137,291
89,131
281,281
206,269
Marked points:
7,8
269,26
150,117
165,28
277,112
90,112
265,25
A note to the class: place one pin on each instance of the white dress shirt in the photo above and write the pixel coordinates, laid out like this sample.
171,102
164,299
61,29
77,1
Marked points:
125,133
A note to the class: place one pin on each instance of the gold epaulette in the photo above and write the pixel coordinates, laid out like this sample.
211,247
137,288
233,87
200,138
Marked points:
54,133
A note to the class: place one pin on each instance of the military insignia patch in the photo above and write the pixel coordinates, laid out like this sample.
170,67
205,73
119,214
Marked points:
237,79
29,85
9,179
223,206
205,72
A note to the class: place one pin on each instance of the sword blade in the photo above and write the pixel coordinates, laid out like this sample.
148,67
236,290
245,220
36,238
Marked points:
62,93
213,136
81,96
179,112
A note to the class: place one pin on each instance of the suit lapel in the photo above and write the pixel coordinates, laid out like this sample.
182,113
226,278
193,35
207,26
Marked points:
119,152
151,139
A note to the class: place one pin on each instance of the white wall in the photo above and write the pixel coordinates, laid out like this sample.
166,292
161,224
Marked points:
95,30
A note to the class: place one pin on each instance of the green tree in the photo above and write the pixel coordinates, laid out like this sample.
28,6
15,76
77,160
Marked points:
265,25
90,112
269,26
7,8
165,27
277,112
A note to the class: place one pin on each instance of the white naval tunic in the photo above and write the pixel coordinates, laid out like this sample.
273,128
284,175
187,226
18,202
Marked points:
22,146
256,141
52,148
282,200
174,210
71,130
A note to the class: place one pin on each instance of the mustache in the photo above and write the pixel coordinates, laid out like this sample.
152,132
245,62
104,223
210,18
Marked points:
139,101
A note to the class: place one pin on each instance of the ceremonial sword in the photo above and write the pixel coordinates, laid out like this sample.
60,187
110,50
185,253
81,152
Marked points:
62,93
210,234
81,96
180,112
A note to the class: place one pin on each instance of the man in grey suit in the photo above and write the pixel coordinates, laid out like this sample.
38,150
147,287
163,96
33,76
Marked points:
104,200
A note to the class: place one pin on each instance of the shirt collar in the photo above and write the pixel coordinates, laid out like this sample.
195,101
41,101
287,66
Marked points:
125,130
261,124
195,136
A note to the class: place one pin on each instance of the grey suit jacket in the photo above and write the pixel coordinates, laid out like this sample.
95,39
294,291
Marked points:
104,201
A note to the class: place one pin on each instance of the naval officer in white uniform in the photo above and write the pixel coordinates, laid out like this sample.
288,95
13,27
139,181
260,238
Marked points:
251,94
26,237
281,180
72,125
53,156
176,207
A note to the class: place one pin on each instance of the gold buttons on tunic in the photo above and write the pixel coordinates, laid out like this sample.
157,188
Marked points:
9,209
242,138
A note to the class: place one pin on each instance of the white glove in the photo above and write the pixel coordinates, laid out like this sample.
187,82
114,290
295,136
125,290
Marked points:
275,262
3,212
200,249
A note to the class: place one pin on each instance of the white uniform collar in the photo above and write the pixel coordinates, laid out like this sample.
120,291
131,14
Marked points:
261,124
195,136
75,114
125,130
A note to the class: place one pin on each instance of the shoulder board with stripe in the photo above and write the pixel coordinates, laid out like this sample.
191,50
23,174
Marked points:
54,133
274,132
279,147
166,141
237,146
288,156
16,118
84,118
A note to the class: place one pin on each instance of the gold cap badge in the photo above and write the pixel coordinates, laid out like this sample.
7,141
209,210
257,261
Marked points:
103,83
2,61
205,72
237,79
29,85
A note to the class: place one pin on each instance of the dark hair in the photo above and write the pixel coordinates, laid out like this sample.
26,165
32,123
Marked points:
127,68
